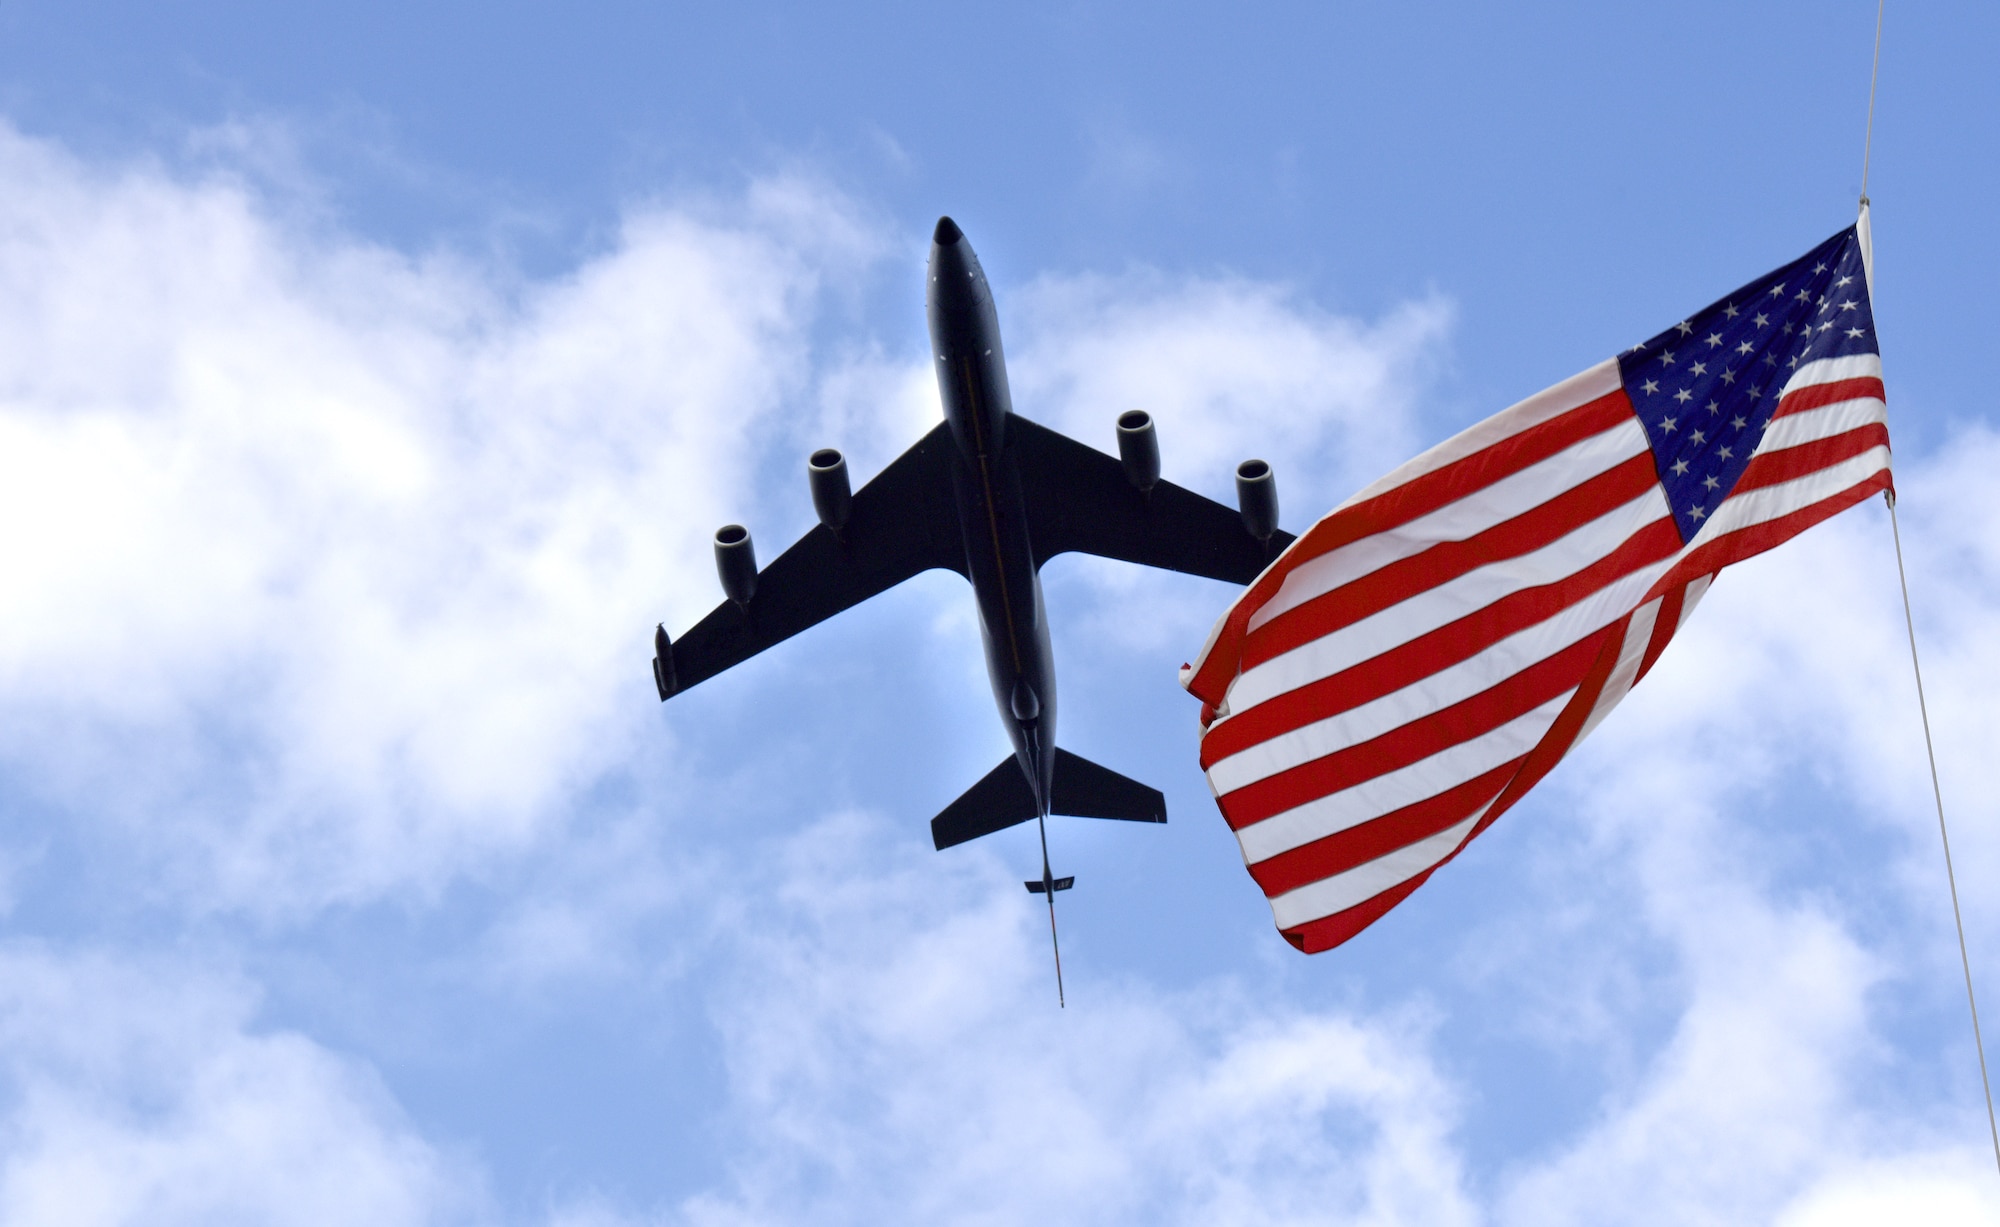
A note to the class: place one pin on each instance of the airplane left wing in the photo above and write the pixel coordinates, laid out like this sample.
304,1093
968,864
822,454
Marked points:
1079,499
901,523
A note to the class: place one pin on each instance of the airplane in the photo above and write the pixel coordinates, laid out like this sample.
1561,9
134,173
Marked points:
993,496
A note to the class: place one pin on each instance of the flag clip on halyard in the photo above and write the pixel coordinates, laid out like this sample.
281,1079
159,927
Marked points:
1429,650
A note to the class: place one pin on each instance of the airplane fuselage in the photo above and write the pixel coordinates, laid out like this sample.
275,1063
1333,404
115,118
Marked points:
992,512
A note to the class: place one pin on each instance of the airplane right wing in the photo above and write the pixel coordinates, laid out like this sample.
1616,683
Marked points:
1079,499
901,523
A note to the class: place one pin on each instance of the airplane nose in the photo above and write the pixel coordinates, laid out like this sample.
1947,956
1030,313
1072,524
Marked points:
947,232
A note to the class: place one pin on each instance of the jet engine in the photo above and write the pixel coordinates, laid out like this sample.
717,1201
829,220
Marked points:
833,498
736,564
1257,498
1139,449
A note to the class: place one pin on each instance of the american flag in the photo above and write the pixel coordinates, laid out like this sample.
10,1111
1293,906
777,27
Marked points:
1428,651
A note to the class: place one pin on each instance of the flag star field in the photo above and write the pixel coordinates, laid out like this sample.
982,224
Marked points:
1705,389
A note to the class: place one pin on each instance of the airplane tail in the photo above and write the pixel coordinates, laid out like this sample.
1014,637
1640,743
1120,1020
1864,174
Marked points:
1082,790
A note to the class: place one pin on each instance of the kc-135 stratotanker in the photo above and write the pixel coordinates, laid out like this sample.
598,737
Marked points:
990,495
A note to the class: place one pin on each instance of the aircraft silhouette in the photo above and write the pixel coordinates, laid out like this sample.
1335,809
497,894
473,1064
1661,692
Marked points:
991,495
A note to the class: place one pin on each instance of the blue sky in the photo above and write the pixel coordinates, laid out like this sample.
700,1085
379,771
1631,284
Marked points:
372,376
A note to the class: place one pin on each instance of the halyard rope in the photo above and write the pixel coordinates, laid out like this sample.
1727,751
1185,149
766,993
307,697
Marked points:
1923,709
1868,142
1950,877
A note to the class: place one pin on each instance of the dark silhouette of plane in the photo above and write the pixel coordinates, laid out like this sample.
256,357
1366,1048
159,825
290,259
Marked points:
992,496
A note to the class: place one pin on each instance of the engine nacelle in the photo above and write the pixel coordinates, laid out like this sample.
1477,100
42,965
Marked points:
833,498
1257,498
736,564
1139,448
663,663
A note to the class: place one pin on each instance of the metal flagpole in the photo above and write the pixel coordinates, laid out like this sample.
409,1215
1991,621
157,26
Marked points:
1916,670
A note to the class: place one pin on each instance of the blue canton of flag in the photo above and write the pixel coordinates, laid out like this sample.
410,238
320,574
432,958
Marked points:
1706,388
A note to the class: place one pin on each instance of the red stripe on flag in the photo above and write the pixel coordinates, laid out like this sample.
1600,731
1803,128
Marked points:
1746,542
1378,837
1665,623
1427,493
1447,560
1776,468
1562,734
1819,395
1330,931
1419,496
1426,654
1399,747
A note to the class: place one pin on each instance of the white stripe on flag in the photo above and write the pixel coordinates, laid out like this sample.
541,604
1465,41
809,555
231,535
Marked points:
1822,423
1446,603
1424,697
1392,790
1696,589
1579,389
1478,511
1363,882
1625,672
1766,503
1833,370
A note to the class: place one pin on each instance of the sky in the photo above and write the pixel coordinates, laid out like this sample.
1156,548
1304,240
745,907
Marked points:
372,377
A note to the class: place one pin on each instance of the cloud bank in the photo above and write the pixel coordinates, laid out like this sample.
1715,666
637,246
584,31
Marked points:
140,1091
344,554
328,582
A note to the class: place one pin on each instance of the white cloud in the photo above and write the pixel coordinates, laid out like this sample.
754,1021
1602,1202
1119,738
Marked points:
140,1091
894,1053
1945,1188
1229,369
351,558
1751,1092
336,583
1774,750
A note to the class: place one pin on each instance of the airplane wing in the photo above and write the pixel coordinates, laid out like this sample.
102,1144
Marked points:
901,523
1080,500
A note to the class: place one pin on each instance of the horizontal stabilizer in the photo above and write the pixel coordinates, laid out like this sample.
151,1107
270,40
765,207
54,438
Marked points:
1035,887
1001,800
1085,790
1082,790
